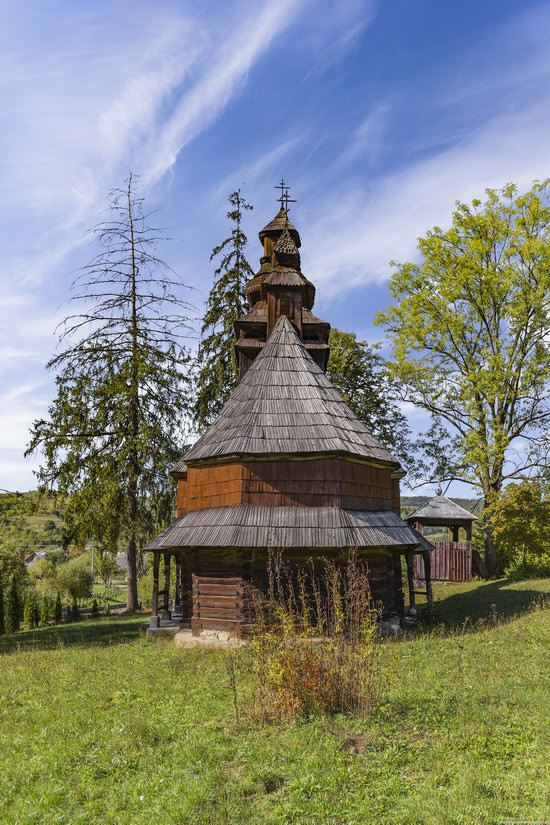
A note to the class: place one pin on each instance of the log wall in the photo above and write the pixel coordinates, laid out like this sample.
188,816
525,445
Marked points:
384,572
325,482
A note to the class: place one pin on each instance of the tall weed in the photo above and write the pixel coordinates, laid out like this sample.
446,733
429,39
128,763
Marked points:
314,640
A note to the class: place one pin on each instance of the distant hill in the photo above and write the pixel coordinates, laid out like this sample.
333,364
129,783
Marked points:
411,503
35,518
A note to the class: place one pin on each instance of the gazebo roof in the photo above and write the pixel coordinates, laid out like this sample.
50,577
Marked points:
285,405
442,509
299,527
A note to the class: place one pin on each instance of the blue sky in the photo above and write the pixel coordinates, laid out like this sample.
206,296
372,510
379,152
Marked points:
379,114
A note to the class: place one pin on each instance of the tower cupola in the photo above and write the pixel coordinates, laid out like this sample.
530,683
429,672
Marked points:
280,288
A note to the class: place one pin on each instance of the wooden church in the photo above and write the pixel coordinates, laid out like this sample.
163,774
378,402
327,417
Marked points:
286,466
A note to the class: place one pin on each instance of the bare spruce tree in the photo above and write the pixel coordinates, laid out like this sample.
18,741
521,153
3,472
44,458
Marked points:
123,386
218,371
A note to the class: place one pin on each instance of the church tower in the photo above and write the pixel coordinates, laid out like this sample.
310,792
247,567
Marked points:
279,288
285,465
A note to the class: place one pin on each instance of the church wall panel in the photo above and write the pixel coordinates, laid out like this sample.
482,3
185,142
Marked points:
321,483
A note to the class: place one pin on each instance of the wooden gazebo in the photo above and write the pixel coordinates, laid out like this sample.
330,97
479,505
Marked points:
286,465
452,558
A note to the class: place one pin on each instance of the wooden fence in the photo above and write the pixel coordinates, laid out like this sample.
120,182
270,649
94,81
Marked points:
217,605
451,561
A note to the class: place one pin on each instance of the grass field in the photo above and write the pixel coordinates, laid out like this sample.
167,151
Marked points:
97,725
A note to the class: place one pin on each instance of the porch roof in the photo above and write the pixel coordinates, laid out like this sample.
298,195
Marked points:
289,527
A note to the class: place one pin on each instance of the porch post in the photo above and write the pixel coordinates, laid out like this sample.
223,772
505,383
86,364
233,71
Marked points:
154,621
468,528
428,575
166,608
455,532
177,589
410,578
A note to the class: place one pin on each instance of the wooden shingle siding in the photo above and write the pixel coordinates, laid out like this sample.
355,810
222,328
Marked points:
320,483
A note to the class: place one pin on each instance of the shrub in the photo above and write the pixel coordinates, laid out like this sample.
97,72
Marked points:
145,587
520,521
74,611
314,644
529,566
95,608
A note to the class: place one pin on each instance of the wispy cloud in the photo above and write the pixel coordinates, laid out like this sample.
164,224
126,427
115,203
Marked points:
225,74
100,100
343,29
352,239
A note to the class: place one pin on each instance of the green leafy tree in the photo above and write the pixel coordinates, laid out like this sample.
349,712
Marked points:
521,520
218,369
106,565
74,578
360,373
468,328
58,609
123,392
43,575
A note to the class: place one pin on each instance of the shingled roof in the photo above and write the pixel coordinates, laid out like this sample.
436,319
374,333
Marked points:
285,405
318,527
279,223
442,509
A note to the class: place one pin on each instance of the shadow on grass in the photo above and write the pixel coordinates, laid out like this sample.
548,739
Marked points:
107,630
487,601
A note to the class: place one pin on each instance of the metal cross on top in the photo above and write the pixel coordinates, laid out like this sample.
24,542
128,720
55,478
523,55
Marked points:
285,198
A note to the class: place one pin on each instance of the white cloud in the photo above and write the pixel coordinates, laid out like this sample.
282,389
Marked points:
98,99
230,64
354,236
259,168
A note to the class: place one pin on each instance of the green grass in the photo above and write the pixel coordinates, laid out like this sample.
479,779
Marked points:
479,599
115,596
98,725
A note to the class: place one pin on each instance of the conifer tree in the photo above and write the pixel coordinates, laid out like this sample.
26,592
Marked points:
28,611
58,610
75,614
13,618
45,609
2,617
218,369
119,416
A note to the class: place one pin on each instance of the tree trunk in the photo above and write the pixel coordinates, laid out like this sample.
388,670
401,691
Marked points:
490,548
131,577
134,469
491,493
